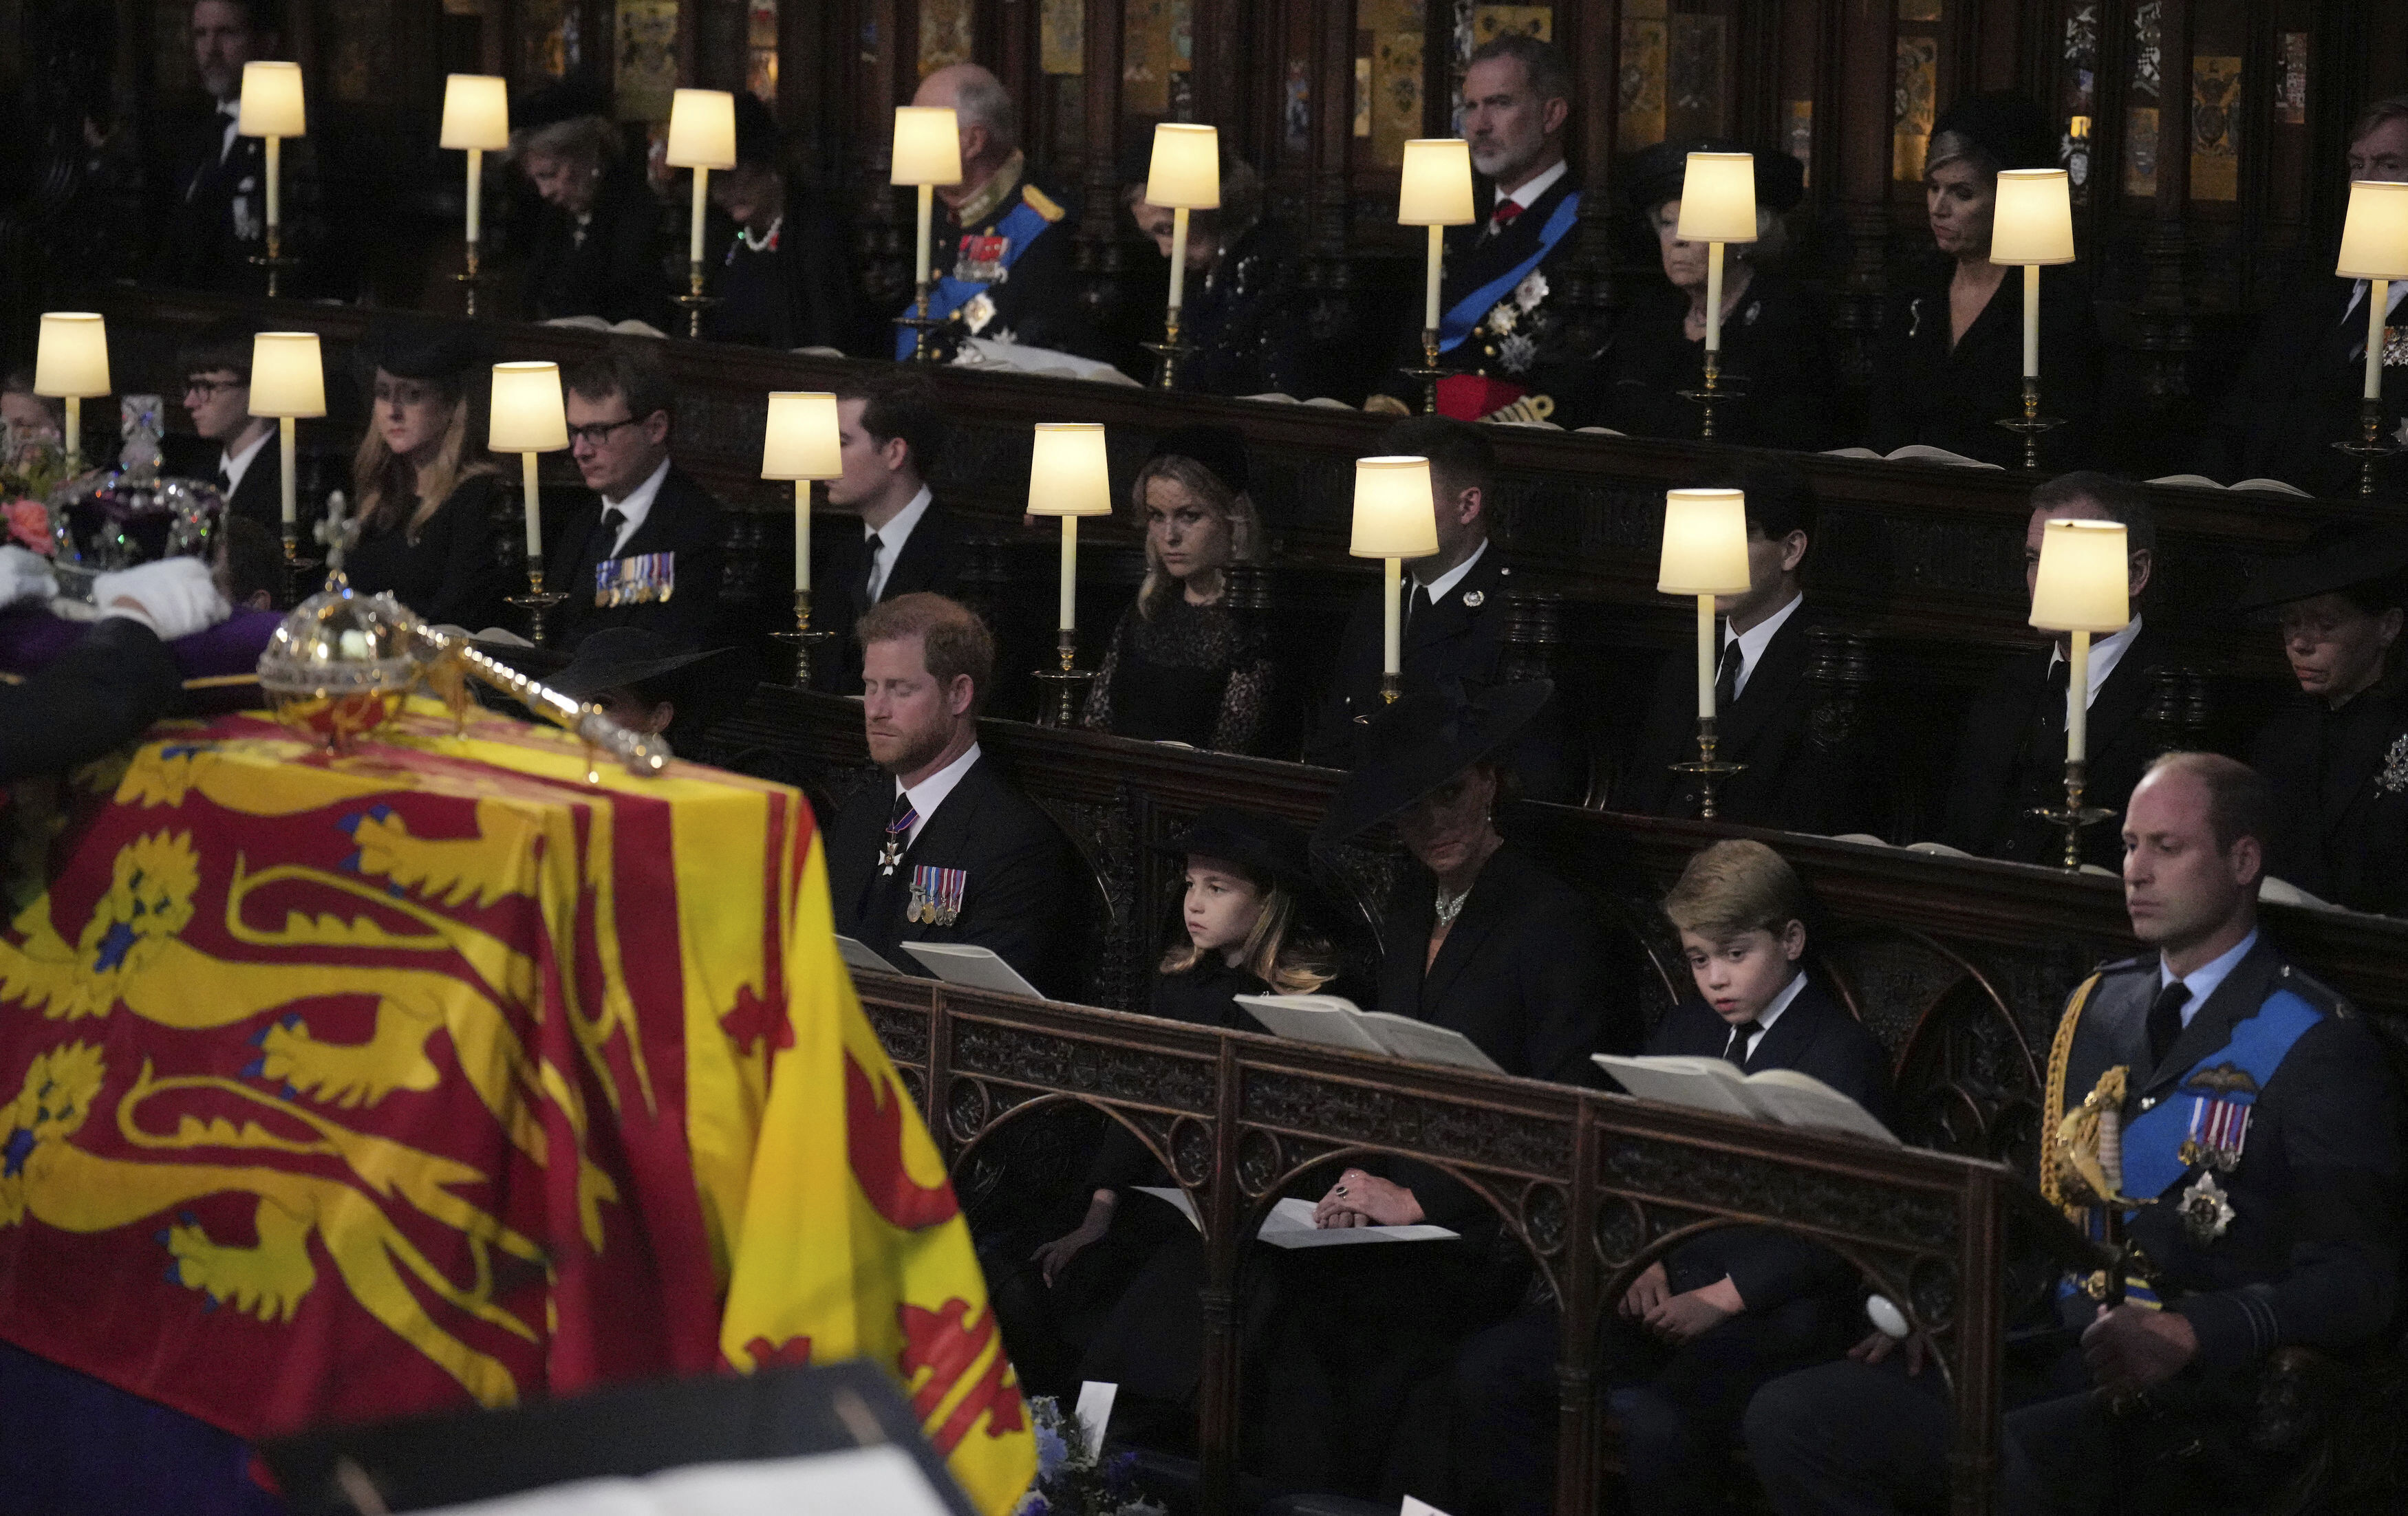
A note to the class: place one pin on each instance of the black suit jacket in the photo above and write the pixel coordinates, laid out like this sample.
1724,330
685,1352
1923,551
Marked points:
2298,394
931,561
259,496
2313,1252
685,520
1538,351
1815,1035
455,572
2011,757
1019,901
214,209
1791,781
105,690
2341,790
613,270
1924,391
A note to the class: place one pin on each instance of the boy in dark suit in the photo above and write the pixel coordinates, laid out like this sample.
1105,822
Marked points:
233,451
1720,1315
890,431
949,852
651,548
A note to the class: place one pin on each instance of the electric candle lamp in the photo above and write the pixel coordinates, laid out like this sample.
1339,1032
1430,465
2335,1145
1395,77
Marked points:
800,443
273,108
1396,518
71,364
1069,476
1705,556
476,117
2374,247
2082,586
927,153
2032,226
1435,191
1717,207
702,136
288,381
1184,175
529,417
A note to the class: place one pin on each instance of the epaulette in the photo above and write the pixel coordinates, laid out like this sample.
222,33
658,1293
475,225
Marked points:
1039,202
2124,965
2315,992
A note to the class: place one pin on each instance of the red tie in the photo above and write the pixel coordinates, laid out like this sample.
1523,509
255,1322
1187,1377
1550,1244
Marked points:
1505,213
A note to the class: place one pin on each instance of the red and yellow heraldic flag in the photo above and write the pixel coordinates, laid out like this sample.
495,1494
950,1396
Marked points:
340,1088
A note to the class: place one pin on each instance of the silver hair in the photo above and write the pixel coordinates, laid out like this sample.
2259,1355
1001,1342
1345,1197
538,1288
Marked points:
980,100
590,138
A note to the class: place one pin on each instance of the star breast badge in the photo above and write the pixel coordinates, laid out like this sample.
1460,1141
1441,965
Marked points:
2394,777
1532,290
980,311
1517,352
2205,1210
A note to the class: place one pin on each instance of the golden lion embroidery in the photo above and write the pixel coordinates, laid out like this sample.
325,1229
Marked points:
46,1177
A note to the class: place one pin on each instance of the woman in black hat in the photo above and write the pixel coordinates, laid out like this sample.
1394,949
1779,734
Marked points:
641,679
1949,364
786,280
1183,666
2337,755
427,506
596,246
1241,312
1772,340
1115,1299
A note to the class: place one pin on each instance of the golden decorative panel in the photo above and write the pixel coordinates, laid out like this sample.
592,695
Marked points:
1638,93
647,59
1489,22
2216,128
1062,36
1918,82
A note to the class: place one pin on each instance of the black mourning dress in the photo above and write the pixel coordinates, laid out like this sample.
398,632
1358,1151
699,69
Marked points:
1924,391
451,575
1772,347
1188,673
795,290
2341,788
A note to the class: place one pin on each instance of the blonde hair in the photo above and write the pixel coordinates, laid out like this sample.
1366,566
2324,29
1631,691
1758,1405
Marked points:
1733,887
382,480
1283,958
1234,512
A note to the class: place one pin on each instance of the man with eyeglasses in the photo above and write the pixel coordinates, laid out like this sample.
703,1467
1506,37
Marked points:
233,451
650,549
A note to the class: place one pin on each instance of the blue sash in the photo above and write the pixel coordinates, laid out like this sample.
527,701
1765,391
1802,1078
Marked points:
1020,228
2153,1159
1458,323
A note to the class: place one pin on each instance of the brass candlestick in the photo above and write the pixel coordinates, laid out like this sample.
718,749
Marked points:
1063,686
298,570
2075,816
537,603
1169,348
1392,687
1719,387
469,280
2032,424
2371,446
920,324
1429,373
802,639
274,261
1708,771
693,302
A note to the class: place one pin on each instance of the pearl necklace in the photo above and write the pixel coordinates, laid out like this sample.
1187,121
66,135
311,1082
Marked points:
769,238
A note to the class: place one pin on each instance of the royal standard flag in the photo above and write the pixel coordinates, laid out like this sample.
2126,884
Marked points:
335,1088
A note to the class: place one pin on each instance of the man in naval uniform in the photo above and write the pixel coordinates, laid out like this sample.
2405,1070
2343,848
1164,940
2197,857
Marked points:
211,193
949,851
1503,332
1000,255
2258,1181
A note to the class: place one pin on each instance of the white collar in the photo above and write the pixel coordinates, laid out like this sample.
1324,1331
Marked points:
638,506
1442,586
891,538
1772,1013
2358,298
239,463
1752,642
2208,977
1528,196
931,791
2105,655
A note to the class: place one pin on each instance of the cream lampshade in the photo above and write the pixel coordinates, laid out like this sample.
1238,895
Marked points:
928,146
2085,579
1705,541
528,413
286,376
1436,189
476,112
272,103
1718,198
1187,168
1395,513
2374,234
800,442
72,360
1067,471
2033,221
702,130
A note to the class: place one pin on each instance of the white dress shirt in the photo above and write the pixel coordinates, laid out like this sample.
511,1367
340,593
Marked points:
2207,977
1540,184
1752,642
890,539
931,791
2105,655
239,463
1442,586
1772,1013
638,506
2357,298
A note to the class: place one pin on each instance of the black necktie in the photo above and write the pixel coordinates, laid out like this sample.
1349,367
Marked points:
1736,1048
614,520
226,481
869,568
2164,1020
1726,676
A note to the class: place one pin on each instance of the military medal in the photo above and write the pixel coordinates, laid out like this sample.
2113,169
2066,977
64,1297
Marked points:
2394,777
898,833
2206,1212
2219,1118
937,895
641,579
982,257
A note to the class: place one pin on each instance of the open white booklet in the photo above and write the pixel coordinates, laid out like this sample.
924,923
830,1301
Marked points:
2260,486
1782,1096
973,968
1913,452
1290,1224
1335,1021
